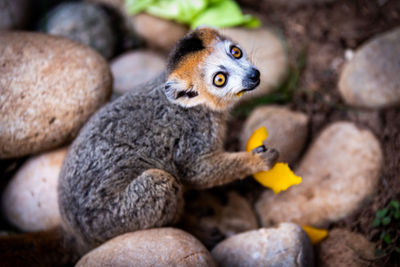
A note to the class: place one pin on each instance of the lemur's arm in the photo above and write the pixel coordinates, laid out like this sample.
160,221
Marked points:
223,167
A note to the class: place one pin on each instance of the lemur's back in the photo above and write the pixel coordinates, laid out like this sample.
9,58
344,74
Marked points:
127,168
135,133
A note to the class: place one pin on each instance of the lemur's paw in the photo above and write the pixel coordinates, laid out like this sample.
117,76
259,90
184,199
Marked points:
269,155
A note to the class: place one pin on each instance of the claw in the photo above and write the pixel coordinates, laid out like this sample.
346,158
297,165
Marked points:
260,149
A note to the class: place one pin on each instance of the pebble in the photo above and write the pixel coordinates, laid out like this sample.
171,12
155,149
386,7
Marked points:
267,52
14,14
371,78
340,172
212,216
285,245
49,88
134,68
158,33
29,201
287,130
83,22
154,247
345,248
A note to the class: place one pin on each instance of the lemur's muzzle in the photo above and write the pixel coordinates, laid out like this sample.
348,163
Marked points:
252,80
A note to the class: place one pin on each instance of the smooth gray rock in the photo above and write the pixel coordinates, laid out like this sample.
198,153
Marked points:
154,247
371,78
134,68
286,245
340,172
287,130
83,22
30,199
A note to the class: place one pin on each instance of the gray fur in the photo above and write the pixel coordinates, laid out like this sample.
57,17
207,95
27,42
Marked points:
127,168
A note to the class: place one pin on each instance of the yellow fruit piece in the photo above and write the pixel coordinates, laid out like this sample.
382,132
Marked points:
316,235
257,138
239,94
280,177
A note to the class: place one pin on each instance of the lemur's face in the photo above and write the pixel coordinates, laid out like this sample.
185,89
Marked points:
207,68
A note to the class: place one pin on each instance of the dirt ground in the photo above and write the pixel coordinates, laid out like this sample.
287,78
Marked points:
325,33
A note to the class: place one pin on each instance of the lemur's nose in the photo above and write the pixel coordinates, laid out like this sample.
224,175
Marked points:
254,75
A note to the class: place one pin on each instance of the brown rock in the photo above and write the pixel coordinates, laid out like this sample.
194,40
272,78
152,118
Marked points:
287,130
49,88
30,199
286,245
268,54
154,247
158,33
213,216
371,78
340,172
344,248
134,68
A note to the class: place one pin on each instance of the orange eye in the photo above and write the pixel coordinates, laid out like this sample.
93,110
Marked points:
219,79
236,52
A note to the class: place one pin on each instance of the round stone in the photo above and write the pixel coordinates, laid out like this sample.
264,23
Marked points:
340,172
287,130
154,247
30,199
49,88
158,33
285,245
371,78
345,248
83,22
134,68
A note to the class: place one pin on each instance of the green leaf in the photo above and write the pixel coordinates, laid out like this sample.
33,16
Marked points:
376,222
386,220
222,14
397,249
395,204
182,11
386,237
397,214
382,213
136,6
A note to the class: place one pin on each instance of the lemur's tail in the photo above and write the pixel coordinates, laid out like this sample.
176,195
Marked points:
49,248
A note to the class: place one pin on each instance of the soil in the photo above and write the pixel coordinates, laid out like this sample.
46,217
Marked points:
326,33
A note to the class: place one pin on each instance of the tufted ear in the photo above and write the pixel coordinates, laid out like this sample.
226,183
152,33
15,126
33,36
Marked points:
176,89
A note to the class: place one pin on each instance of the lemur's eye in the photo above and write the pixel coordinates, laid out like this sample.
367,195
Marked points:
219,79
236,52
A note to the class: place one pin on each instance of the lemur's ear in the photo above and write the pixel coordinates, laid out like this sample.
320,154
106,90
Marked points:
176,89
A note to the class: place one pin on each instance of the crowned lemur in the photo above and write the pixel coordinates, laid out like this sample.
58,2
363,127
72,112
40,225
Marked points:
127,168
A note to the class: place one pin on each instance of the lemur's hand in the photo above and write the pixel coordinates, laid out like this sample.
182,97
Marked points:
269,155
